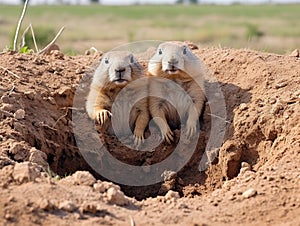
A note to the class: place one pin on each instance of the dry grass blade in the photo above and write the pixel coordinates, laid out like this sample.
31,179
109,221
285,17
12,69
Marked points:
53,41
19,24
33,38
23,42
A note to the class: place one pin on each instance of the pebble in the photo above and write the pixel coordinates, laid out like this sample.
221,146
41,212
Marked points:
104,186
83,178
88,208
67,206
249,193
281,85
117,197
295,53
19,114
45,204
30,94
172,194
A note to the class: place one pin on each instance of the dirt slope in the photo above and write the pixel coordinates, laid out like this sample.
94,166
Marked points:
254,181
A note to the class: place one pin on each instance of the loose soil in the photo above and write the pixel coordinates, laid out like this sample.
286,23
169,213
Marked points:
254,180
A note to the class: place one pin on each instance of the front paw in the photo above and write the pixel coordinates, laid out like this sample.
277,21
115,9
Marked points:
138,138
102,116
190,129
167,134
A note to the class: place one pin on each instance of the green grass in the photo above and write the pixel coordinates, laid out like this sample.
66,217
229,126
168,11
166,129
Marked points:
261,27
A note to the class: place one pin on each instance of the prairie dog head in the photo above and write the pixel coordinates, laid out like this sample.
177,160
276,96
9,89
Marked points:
118,68
171,58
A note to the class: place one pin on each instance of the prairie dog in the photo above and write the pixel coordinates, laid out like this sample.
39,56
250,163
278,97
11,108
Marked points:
117,69
176,75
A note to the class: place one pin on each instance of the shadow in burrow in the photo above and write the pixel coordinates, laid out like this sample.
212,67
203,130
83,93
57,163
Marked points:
189,180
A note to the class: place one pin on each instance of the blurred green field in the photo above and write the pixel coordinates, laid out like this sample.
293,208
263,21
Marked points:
271,28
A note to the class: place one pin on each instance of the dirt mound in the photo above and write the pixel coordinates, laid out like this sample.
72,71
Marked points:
256,171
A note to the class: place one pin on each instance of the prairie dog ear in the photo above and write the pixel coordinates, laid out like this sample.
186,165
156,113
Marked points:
132,59
185,50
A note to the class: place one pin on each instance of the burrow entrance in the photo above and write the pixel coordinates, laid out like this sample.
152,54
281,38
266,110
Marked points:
48,127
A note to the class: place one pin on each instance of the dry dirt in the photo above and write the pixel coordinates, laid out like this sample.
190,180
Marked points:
255,180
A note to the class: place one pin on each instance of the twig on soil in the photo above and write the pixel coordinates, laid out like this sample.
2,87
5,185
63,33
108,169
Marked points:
19,24
45,125
216,116
9,72
53,41
11,90
132,223
64,115
7,113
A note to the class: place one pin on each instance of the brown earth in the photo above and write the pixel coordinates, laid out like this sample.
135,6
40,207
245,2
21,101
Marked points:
255,180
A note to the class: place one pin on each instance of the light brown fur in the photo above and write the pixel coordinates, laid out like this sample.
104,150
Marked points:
105,87
175,72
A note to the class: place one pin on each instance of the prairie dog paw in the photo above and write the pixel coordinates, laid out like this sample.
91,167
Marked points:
138,138
167,134
190,129
102,116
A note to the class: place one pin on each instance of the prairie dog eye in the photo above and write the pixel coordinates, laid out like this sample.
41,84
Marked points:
159,51
106,60
184,50
132,59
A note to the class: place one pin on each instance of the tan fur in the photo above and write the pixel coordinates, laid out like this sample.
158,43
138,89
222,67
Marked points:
174,61
105,87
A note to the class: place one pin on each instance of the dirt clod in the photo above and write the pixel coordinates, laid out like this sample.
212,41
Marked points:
25,172
115,196
83,178
68,206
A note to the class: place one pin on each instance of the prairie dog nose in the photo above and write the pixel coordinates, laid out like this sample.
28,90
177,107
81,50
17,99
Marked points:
120,71
173,61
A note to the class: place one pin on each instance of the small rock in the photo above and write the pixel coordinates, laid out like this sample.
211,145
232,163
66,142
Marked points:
45,204
249,193
25,172
117,197
246,165
172,194
83,178
281,85
18,150
57,54
104,186
30,94
243,107
272,100
19,114
79,71
9,216
295,53
67,206
38,157
88,208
